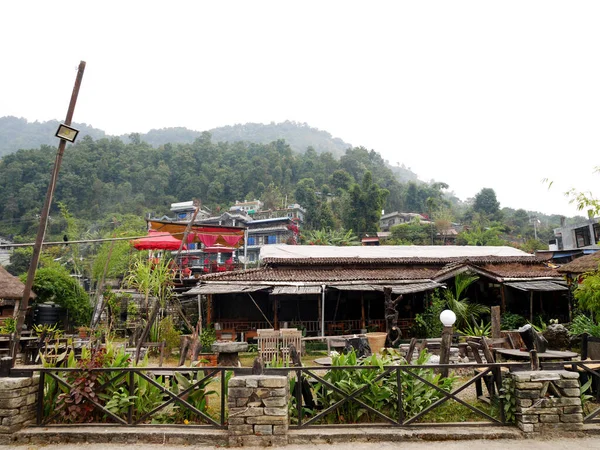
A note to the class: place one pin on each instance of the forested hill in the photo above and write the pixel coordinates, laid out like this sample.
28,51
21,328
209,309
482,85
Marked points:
17,134
110,176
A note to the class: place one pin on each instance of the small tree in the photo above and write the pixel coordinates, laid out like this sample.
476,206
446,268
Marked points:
54,284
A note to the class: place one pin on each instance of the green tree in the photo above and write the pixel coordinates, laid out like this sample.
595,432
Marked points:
587,294
477,234
20,259
457,301
366,203
486,202
413,233
54,284
340,238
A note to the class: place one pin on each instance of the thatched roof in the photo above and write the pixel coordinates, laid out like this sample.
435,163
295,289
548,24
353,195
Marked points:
587,263
11,286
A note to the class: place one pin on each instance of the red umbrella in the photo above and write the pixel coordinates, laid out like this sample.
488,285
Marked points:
157,240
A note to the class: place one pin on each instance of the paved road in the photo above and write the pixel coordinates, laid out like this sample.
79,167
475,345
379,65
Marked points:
499,444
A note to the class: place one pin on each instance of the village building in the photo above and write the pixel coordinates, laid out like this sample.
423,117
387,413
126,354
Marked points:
11,290
574,270
387,221
573,241
328,290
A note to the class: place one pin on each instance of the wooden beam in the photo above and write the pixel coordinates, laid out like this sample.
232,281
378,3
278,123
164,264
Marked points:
496,322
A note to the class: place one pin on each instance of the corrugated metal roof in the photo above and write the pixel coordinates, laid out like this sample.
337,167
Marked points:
355,287
415,287
296,290
224,289
282,251
537,286
396,289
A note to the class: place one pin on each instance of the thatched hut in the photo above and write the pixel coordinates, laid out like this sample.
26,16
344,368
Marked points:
11,289
584,264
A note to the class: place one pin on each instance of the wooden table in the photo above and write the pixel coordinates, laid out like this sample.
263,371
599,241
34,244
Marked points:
548,355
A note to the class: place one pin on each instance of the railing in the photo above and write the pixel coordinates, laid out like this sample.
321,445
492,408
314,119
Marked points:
320,396
109,395
588,371
313,327
383,382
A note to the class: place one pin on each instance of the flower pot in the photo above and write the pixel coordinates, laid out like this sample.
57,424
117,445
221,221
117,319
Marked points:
376,341
208,359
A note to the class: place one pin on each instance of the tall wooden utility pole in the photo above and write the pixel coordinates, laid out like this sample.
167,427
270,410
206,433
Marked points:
21,306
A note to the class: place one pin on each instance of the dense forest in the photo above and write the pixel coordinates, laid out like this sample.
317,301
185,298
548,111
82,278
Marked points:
17,133
104,177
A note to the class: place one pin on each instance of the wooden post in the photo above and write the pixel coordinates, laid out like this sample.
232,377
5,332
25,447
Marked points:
320,315
445,349
496,322
21,306
531,306
209,298
363,322
275,314
503,296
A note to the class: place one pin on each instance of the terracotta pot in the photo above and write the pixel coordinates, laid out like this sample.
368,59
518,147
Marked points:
208,359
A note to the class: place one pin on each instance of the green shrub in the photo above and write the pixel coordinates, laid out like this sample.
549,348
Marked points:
380,394
168,333
511,321
10,326
584,324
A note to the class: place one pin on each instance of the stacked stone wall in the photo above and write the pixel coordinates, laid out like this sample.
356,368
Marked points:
18,398
258,410
548,401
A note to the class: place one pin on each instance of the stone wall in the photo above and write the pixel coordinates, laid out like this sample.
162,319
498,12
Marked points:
548,401
18,397
258,410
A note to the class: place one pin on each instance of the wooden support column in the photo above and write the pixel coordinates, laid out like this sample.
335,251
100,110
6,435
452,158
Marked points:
275,314
531,306
209,305
496,322
363,322
503,297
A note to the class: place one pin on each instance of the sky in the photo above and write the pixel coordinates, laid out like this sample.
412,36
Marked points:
477,94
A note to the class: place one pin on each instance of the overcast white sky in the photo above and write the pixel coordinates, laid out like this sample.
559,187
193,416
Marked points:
473,93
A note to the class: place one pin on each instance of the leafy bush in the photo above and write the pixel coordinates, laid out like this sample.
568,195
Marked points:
9,326
511,321
207,338
380,394
477,329
584,324
168,333
428,324
54,284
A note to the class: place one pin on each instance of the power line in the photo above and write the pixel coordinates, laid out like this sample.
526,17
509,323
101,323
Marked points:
83,241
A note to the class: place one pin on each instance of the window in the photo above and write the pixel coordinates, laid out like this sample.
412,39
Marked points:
597,233
251,240
582,237
270,239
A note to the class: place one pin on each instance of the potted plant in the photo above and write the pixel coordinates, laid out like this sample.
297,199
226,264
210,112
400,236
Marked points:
207,338
83,331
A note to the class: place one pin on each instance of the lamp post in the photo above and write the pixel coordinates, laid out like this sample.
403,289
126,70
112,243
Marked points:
447,317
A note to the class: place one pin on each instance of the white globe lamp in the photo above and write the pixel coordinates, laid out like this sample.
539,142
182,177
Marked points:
447,317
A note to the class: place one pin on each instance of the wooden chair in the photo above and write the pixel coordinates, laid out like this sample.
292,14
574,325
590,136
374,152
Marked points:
268,344
226,335
290,336
493,380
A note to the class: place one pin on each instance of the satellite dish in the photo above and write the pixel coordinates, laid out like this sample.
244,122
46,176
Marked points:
242,259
